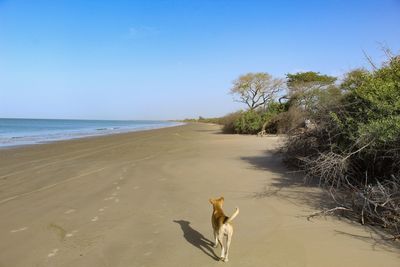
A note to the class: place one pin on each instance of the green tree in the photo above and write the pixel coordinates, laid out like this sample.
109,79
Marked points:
371,112
354,79
304,81
306,89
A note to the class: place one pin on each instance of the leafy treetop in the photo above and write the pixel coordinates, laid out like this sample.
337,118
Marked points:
256,89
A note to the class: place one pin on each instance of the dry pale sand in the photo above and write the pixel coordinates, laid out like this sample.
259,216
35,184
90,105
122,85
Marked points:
141,199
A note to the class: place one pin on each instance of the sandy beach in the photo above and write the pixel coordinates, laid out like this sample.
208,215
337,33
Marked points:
141,199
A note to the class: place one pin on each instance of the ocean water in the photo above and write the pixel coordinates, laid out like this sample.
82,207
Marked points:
15,132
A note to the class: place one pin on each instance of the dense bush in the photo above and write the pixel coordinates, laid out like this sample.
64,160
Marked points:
380,100
288,121
228,122
354,148
368,120
255,121
249,122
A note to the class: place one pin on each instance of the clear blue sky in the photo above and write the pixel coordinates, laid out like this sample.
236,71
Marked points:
173,59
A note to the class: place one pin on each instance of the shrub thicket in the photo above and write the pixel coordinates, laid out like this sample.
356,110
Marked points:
354,148
255,121
249,122
228,122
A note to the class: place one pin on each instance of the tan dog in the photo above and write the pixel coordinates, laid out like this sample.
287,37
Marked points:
222,226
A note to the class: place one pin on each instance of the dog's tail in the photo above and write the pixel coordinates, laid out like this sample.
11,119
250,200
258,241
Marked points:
233,216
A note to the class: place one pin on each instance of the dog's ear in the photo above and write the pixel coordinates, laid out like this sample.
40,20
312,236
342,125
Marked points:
211,201
221,199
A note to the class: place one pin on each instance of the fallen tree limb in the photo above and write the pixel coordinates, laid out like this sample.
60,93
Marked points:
327,212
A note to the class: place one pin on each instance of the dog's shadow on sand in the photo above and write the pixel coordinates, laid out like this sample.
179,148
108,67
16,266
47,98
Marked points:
197,239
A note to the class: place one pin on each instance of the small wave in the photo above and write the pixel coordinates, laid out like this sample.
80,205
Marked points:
107,129
51,136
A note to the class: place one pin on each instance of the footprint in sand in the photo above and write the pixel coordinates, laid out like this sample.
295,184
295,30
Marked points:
109,198
118,188
52,253
69,211
116,200
71,234
94,219
19,230
136,187
102,209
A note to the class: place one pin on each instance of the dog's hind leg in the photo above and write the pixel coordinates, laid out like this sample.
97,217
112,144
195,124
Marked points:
228,243
216,239
221,242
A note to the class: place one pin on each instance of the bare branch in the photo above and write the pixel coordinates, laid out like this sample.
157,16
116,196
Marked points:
369,59
327,212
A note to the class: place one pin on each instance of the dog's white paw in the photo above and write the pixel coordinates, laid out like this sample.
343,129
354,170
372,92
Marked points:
215,245
225,260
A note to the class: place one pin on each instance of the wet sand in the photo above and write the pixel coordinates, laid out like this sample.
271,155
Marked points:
141,199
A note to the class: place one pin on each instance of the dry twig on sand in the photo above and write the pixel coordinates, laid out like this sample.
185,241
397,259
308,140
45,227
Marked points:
327,212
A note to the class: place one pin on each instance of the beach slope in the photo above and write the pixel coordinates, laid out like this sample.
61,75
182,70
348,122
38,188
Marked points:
141,199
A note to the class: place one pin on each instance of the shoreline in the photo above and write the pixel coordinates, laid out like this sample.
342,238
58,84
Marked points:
141,199
7,147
